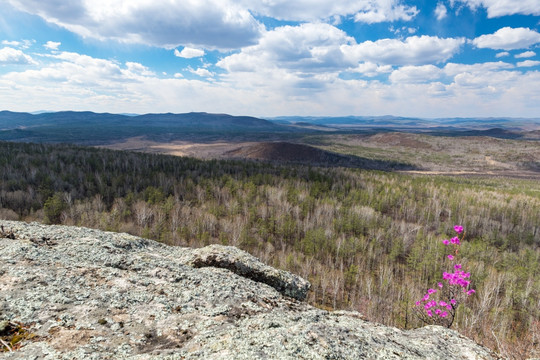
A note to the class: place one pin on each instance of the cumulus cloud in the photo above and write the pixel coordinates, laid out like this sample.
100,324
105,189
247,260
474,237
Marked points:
380,11
528,63
139,69
312,56
369,11
453,69
497,8
415,50
202,72
83,82
52,45
189,53
508,38
415,74
10,56
23,44
525,54
11,43
370,69
502,54
169,24
440,11
308,48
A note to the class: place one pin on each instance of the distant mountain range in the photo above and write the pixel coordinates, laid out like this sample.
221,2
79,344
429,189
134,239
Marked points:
412,123
101,128
95,128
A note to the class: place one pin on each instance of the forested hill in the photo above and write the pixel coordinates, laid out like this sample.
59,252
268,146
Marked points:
94,128
367,240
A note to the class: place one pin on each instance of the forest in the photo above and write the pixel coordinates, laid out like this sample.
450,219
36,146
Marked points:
367,240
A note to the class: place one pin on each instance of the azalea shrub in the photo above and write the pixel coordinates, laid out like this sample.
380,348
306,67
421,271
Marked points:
439,304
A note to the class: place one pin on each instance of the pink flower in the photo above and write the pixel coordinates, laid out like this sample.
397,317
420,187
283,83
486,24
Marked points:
430,314
425,298
453,301
455,240
417,303
458,229
431,291
470,292
442,303
451,257
440,285
446,242
443,314
457,266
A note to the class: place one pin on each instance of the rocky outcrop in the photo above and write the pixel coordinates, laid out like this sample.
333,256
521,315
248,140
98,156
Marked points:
246,265
78,293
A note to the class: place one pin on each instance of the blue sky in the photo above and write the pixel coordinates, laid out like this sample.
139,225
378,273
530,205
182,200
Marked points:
272,57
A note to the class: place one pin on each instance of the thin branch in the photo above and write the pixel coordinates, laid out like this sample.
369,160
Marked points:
6,345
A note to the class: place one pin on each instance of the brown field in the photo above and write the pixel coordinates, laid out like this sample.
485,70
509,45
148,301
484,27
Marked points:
435,155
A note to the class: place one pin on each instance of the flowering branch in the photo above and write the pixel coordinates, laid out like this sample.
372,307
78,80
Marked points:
438,306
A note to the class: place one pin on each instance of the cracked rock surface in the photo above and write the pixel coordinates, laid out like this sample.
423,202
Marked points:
89,294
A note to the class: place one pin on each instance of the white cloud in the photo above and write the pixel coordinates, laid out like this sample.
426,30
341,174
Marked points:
52,45
202,72
453,69
415,50
307,48
380,11
11,43
528,63
440,11
508,39
525,54
416,74
497,8
370,69
10,56
369,11
206,23
178,75
23,44
139,69
81,82
502,54
189,53
311,57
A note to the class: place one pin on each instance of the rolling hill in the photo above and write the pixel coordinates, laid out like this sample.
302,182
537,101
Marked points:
92,128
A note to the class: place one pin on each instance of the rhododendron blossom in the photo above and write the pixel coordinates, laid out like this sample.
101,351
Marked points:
442,311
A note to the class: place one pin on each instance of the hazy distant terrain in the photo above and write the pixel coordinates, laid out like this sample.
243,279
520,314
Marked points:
456,146
94,128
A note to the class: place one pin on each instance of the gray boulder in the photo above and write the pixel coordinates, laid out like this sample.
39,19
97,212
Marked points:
86,294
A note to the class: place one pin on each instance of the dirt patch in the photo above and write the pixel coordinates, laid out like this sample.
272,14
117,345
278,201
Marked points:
70,339
209,150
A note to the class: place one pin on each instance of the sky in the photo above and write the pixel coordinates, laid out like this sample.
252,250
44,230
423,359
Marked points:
423,58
